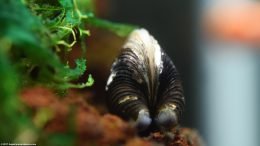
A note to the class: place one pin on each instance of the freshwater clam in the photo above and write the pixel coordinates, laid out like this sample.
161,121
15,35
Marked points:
144,85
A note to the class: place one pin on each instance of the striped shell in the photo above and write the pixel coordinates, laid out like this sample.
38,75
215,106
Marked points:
144,84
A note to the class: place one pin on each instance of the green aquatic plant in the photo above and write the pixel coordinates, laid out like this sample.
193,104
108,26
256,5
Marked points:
33,34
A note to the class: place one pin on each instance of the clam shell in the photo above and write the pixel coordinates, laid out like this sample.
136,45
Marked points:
144,85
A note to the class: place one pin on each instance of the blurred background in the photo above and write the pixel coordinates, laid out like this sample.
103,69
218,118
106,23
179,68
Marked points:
215,46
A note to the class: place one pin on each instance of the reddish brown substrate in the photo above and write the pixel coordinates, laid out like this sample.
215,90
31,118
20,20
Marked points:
91,127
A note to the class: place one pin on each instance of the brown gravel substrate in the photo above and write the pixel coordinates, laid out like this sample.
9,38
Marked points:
91,127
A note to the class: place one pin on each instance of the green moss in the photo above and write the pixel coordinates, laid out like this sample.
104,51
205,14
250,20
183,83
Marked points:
32,34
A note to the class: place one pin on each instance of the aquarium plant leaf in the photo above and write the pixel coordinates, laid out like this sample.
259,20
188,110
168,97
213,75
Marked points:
77,71
9,100
120,29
